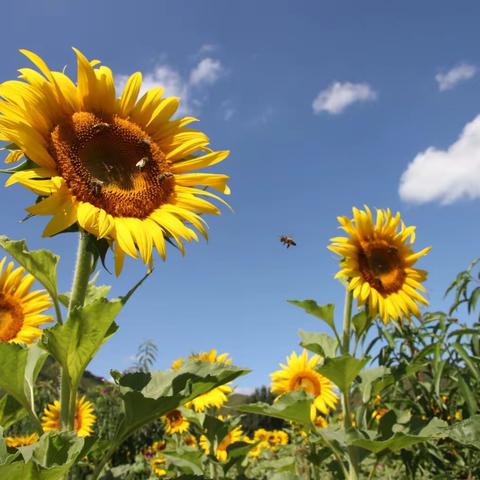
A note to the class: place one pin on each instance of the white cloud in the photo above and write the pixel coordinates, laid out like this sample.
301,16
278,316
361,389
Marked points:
445,175
336,98
207,71
458,74
207,48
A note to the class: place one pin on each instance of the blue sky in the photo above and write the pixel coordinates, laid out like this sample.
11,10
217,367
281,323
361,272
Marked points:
251,71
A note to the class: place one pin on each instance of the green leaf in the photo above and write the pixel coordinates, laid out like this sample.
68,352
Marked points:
342,370
468,395
42,264
19,369
360,323
466,432
368,377
76,342
147,396
293,406
236,452
186,460
93,293
325,312
393,444
11,411
468,361
319,343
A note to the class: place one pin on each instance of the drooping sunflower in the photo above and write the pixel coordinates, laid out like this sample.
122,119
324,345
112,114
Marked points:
175,422
235,435
299,374
21,441
120,168
378,263
84,417
21,311
216,397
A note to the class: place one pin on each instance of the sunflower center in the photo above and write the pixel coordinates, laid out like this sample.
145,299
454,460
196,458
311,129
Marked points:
306,382
112,164
381,266
175,418
11,318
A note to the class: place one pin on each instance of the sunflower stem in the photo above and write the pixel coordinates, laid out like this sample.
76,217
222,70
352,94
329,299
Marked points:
81,276
347,418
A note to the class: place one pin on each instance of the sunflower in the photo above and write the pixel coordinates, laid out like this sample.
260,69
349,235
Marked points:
378,263
236,435
21,311
121,169
175,422
84,417
190,440
299,374
216,397
157,465
21,441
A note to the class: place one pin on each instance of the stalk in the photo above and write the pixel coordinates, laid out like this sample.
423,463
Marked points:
81,276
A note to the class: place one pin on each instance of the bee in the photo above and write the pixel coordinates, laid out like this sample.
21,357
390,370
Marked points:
141,163
101,127
288,241
97,185
164,176
144,142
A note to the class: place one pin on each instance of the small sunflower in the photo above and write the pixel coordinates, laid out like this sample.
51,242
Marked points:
175,422
299,374
21,311
157,465
216,397
121,169
21,441
234,436
84,417
190,440
378,263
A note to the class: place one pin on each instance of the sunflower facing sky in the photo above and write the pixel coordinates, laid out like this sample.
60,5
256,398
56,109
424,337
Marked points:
378,263
21,311
299,374
119,167
84,417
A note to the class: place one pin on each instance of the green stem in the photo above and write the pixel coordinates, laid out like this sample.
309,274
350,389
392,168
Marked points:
347,418
81,276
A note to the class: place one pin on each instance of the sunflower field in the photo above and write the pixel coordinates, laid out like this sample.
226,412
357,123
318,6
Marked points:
387,388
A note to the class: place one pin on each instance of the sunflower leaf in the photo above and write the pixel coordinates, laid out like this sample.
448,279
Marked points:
147,396
466,432
342,370
325,312
319,343
11,411
42,264
76,342
19,368
293,406
186,461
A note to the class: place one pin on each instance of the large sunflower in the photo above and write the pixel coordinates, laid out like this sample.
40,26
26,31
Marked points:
299,374
378,263
21,311
84,417
216,397
120,168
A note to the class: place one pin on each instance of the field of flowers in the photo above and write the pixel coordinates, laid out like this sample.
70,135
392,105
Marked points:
393,393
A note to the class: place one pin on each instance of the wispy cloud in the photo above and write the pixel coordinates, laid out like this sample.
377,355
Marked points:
454,76
228,110
262,118
445,176
190,88
336,98
207,72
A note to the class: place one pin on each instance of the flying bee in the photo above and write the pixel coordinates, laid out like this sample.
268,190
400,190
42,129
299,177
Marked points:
97,185
142,162
288,241
101,127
